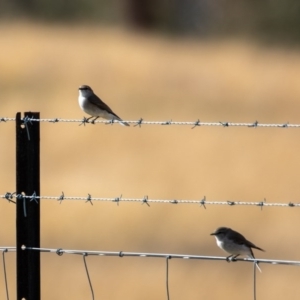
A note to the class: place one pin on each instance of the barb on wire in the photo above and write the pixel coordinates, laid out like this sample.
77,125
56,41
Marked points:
118,199
9,196
262,203
139,123
87,273
84,121
224,124
55,120
197,123
167,123
33,198
61,197
285,125
167,275
204,202
111,122
4,120
5,274
145,200
89,199
254,124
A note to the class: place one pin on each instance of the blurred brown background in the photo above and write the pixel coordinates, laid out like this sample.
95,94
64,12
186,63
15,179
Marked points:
183,61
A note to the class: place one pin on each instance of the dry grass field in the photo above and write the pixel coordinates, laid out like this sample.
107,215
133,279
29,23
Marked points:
156,78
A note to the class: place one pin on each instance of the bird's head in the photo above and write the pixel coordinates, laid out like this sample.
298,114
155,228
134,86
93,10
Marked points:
85,91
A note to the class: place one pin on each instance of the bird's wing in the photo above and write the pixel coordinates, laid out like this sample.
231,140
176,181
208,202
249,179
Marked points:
241,240
251,245
99,103
236,237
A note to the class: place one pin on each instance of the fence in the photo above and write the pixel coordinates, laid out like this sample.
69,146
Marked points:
27,199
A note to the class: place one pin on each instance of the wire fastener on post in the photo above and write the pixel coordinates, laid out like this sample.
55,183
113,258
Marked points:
20,197
27,120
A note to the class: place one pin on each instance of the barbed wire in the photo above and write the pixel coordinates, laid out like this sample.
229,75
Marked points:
145,200
141,122
10,197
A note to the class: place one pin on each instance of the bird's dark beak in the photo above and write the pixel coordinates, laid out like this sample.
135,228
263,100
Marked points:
213,233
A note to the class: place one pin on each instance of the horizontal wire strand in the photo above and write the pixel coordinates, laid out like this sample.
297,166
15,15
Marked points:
168,122
203,202
61,251
8,249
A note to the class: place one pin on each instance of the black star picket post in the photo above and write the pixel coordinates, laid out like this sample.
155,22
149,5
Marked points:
28,209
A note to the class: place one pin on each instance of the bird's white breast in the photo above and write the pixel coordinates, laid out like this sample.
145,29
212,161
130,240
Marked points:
81,101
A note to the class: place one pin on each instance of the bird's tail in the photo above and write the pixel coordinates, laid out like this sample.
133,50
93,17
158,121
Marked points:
256,263
124,123
119,120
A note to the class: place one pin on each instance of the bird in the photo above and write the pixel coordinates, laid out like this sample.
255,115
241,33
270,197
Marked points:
91,104
234,243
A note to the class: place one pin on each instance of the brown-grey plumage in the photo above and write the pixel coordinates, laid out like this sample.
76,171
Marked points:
94,106
234,243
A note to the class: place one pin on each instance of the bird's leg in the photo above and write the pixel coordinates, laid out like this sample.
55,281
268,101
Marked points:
228,258
93,122
231,257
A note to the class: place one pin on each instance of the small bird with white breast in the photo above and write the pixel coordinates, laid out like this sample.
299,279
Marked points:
91,104
234,243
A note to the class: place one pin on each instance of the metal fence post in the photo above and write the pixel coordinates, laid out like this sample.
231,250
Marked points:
28,210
